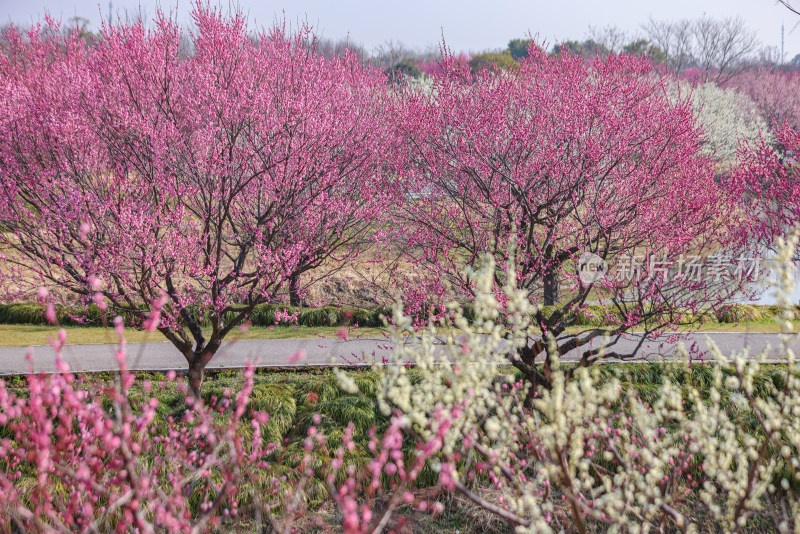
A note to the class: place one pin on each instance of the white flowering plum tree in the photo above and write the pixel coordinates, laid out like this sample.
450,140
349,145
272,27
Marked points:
728,118
708,448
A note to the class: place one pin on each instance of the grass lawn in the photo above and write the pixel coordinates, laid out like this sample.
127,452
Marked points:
19,335
759,327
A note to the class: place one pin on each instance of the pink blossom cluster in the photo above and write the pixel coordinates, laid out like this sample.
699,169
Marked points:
79,458
282,316
776,94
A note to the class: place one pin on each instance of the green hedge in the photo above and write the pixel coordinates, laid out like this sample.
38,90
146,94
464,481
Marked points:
27,313
263,315
726,314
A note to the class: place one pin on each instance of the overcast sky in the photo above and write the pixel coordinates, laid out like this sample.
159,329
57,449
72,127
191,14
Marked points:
467,24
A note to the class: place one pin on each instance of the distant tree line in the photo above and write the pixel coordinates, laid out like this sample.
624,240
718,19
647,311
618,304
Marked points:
705,49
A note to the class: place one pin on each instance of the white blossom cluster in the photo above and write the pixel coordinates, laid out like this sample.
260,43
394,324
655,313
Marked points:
588,453
727,116
423,84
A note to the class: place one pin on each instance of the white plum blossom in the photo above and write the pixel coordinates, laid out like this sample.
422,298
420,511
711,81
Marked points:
591,447
728,117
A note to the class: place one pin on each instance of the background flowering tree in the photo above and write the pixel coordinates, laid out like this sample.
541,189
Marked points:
766,180
135,173
566,159
775,93
727,116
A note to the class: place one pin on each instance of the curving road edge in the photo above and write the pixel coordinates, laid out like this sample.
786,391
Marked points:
158,356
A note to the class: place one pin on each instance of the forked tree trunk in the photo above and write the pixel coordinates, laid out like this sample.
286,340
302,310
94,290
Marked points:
537,375
198,360
198,357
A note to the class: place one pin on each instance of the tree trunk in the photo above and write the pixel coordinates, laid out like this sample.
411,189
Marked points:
551,288
195,376
537,383
198,360
537,376
294,291
550,276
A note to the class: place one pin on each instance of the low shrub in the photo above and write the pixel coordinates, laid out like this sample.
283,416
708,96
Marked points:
122,453
737,313
262,315
685,447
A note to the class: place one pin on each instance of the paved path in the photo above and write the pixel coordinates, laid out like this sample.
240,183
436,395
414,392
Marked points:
321,352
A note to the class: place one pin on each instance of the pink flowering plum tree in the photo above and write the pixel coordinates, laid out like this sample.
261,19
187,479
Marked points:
560,168
202,179
776,94
766,181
